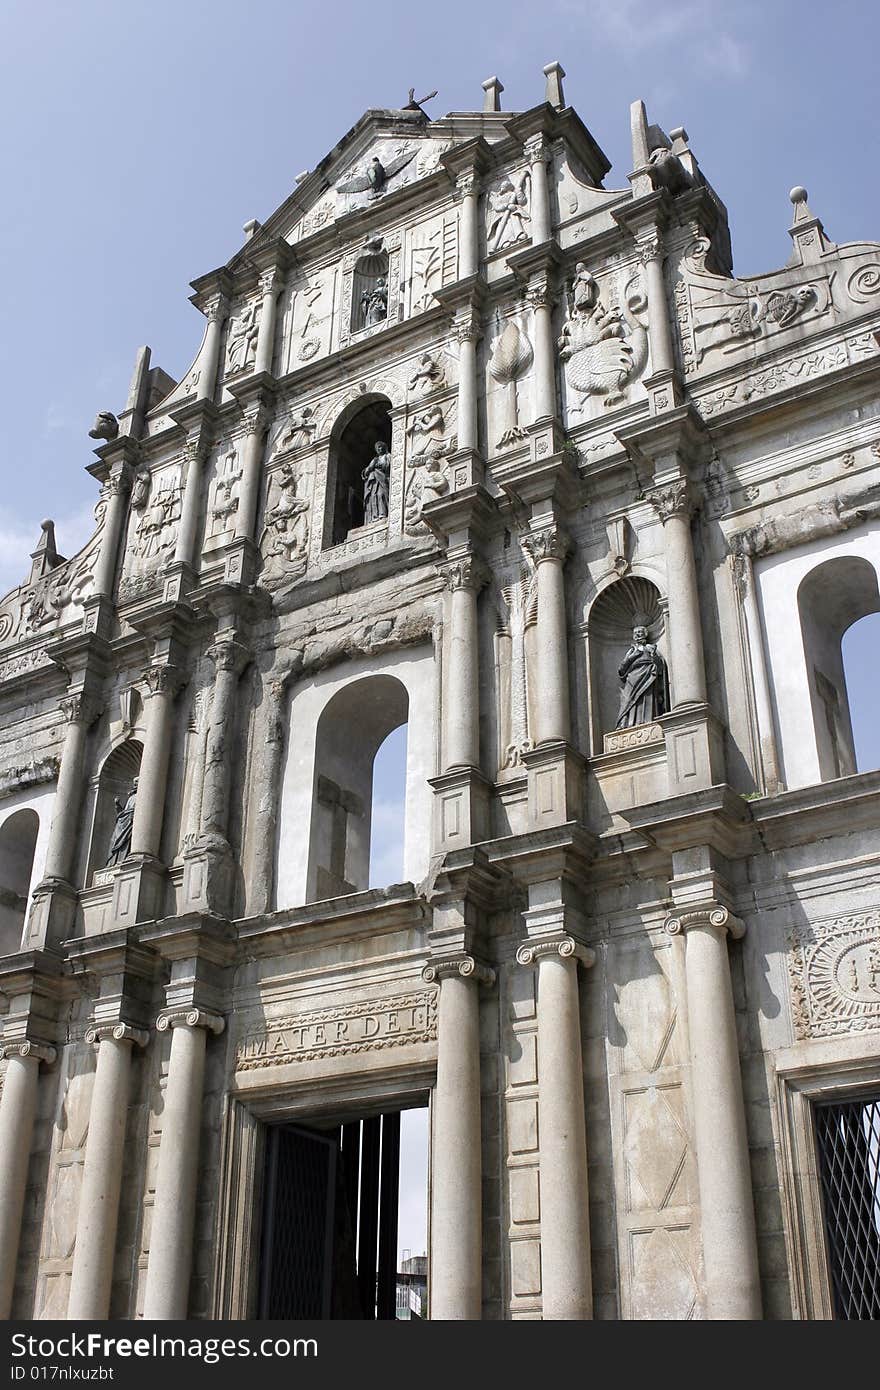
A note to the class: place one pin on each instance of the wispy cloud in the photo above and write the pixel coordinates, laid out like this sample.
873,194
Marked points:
700,33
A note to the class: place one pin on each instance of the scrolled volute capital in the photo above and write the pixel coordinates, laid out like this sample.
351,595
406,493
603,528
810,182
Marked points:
673,499
26,1047
549,542
117,1032
563,946
464,966
464,572
190,1018
164,680
719,918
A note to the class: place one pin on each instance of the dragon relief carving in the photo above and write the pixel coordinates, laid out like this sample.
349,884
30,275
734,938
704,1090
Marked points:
604,348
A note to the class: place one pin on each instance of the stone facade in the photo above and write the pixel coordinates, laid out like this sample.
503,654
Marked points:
625,962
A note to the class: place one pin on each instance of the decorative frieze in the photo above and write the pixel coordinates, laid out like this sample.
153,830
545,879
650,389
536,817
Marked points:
834,974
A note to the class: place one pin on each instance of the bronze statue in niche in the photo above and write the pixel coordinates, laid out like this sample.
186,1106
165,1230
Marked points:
644,682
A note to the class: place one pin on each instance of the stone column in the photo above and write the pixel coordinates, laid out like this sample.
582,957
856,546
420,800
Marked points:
730,1254
162,684
81,709
18,1108
465,575
468,189
171,1240
270,284
95,1250
566,1276
256,424
116,490
541,302
744,583
267,794
216,310
548,547
686,664
456,1153
468,331
659,331
537,153
229,658
194,455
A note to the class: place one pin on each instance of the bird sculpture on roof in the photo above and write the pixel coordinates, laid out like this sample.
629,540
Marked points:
377,176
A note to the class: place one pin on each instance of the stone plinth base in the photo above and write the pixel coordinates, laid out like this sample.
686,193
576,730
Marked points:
139,890
556,774
52,915
461,809
694,748
208,878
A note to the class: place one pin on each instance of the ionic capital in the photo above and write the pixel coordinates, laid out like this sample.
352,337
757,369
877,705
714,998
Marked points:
673,499
719,918
190,1018
118,1032
548,542
26,1048
464,966
563,946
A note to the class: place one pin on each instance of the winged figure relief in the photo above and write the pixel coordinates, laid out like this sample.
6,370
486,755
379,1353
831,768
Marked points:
377,175
603,349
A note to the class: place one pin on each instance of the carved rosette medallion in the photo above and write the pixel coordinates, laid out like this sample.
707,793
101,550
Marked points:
834,973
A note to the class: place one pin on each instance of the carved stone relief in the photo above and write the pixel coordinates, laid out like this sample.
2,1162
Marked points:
508,215
284,544
517,613
604,348
834,974
511,359
432,261
430,444
223,492
241,339
308,319
399,1021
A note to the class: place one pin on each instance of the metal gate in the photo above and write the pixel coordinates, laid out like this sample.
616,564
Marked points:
848,1140
329,1234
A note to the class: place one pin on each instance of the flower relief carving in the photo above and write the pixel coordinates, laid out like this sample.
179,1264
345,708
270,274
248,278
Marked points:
433,260
508,215
284,543
511,358
430,444
604,348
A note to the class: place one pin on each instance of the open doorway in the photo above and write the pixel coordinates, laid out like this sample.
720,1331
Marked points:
337,1200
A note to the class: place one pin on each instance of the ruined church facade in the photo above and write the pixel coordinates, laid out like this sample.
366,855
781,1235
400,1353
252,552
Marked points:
474,444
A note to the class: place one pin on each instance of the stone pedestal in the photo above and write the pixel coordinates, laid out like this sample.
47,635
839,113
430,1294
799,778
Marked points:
694,739
556,784
461,808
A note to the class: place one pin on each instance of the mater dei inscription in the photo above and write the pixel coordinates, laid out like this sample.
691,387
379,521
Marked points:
397,1021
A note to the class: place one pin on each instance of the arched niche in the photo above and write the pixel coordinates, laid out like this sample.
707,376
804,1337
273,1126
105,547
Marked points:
114,781
352,726
18,843
831,598
369,292
626,603
360,427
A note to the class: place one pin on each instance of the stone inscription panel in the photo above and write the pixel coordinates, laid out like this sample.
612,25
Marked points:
394,1022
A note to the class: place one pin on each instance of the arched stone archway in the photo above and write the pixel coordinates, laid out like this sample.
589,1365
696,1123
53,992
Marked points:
18,842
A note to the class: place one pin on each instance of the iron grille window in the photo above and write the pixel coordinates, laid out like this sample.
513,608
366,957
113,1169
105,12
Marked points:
848,1138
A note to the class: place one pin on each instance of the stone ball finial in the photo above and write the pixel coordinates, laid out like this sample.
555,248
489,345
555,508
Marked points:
47,525
798,195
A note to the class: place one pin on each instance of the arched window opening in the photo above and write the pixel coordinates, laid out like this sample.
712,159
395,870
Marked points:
18,842
115,784
832,599
360,465
641,693
388,812
861,643
352,728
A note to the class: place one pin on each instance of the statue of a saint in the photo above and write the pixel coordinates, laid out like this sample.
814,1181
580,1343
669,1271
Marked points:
644,683
374,303
120,841
376,478
242,343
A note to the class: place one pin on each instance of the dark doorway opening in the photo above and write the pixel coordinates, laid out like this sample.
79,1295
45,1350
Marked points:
330,1212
